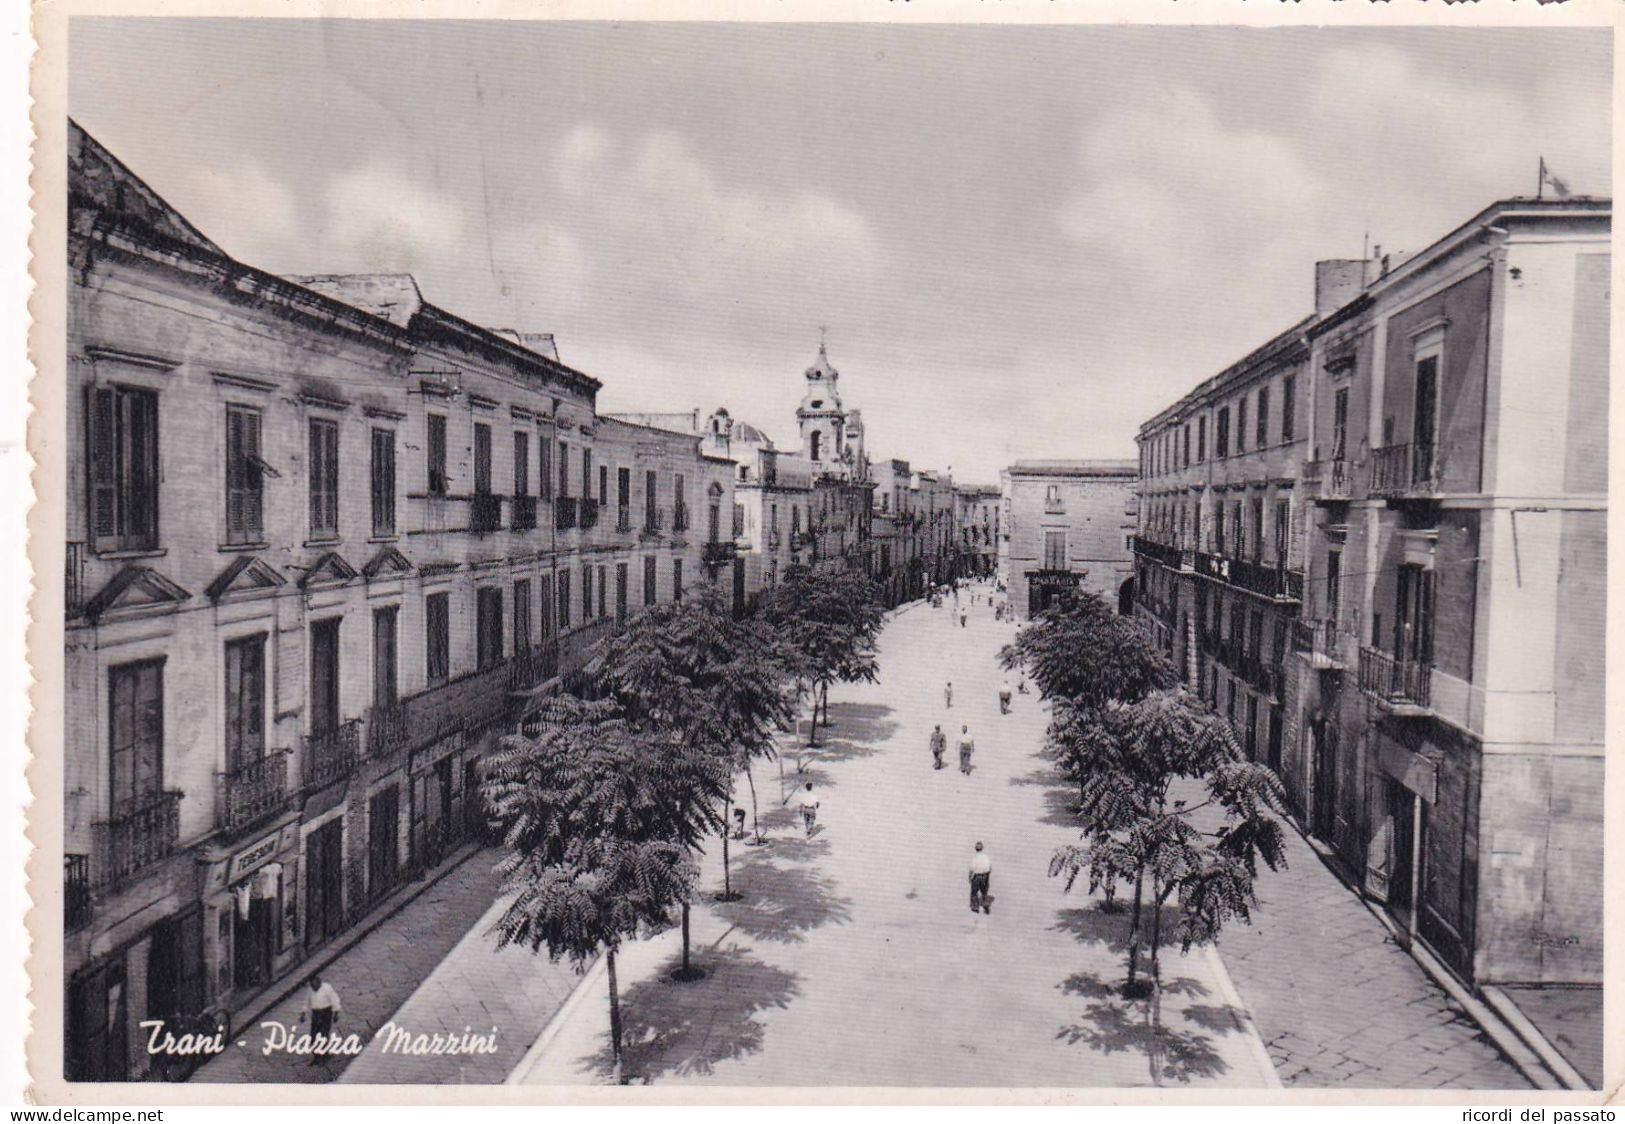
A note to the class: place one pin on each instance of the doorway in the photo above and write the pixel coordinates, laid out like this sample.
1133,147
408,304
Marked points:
1399,803
383,850
1323,736
324,883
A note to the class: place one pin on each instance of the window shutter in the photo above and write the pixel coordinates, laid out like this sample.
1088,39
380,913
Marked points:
102,467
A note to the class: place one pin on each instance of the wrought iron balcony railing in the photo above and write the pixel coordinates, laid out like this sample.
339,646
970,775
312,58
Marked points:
565,513
254,792
533,667
679,518
1329,480
1403,470
653,520
76,900
484,512
1254,577
623,519
388,731
588,513
720,552
522,517
332,754
136,836
1319,641
1396,682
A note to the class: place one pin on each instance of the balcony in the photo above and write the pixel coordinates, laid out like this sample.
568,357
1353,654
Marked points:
679,518
653,520
332,754
565,512
387,730
135,837
774,541
1170,556
1403,686
253,793
484,512
1329,481
588,513
534,667
76,904
623,519
1318,642
523,515
1255,577
719,553
1403,472
465,703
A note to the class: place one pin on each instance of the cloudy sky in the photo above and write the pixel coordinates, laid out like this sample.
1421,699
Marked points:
1023,241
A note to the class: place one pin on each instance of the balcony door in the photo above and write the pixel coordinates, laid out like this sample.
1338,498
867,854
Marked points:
245,702
1424,418
1413,616
324,676
136,734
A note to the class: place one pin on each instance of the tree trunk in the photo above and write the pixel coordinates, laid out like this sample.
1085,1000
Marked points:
755,814
1156,930
1134,931
727,884
614,1015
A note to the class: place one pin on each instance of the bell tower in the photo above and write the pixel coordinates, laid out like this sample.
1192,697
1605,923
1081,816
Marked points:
822,421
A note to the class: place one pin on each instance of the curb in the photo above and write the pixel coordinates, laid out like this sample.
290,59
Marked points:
1504,1007
533,1056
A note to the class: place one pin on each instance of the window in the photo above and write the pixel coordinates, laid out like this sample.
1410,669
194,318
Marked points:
245,495
586,474
1283,524
1413,615
245,702
603,602
521,616
482,459
603,484
676,579
383,482
1052,498
324,478
649,580
679,515
385,656
487,626
1201,438
1258,528
564,598
437,637
544,601
1054,550
437,454
521,463
1218,530
1289,390
544,467
817,445
795,520
1334,574
1424,417
739,520
324,675
1340,424
1263,437
124,468
136,734
586,594
651,509
1187,453
1237,537
1241,423
714,521
620,590
1221,434
564,471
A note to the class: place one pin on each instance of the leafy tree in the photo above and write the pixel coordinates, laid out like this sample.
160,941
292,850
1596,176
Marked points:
597,846
716,683
1081,650
1134,830
831,617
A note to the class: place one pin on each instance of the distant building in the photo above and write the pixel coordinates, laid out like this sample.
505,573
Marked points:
978,514
1067,524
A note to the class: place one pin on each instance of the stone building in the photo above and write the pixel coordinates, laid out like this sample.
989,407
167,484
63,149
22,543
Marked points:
1449,733
324,540
1066,524
977,515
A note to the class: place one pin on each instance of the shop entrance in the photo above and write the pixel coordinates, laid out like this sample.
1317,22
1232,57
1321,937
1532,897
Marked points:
383,850
324,883
1400,806
1324,736
97,1046
175,991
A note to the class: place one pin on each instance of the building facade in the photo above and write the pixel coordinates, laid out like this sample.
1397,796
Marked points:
1067,524
978,511
325,539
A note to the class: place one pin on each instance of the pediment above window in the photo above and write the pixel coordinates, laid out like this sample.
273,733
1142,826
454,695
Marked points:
246,575
329,569
387,563
135,587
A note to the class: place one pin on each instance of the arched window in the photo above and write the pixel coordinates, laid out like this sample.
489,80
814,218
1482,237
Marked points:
817,444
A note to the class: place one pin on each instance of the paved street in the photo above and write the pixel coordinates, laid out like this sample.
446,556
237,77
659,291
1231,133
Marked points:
854,957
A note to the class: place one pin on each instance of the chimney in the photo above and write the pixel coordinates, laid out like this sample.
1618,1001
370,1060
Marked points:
1337,282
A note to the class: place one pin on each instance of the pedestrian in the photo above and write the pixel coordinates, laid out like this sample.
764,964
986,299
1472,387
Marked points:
1004,698
739,823
948,695
939,746
981,875
962,615
322,1006
966,748
1021,688
808,803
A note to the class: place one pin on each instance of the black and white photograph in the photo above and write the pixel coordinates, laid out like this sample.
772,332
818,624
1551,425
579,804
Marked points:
823,555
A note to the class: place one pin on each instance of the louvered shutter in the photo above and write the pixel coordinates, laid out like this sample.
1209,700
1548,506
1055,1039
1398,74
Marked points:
102,467
253,500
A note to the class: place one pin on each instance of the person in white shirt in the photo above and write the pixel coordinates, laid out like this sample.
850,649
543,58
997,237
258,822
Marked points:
966,748
981,874
808,803
322,1006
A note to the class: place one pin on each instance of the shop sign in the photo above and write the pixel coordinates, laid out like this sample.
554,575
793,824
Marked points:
251,858
1418,773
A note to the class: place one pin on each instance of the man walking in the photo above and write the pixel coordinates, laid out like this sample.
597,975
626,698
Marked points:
939,746
808,803
322,1006
966,748
948,695
1004,698
981,874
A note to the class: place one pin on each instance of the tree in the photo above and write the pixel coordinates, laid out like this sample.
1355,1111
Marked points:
1134,829
831,617
716,683
596,845
1081,650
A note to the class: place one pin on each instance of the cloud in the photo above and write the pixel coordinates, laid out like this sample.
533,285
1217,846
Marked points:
378,216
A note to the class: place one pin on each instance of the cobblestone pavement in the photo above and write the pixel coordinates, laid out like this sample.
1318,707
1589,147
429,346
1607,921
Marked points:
373,977
853,958
1339,1003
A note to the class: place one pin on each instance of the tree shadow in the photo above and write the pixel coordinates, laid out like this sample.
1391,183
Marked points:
784,897
686,1029
1093,924
1113,1025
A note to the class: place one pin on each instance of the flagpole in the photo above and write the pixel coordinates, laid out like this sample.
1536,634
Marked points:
1540,183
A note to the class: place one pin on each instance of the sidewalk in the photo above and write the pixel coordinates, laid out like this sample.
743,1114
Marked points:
372,977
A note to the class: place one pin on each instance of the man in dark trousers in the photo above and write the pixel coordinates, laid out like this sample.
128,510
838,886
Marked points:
322,1005
981,874
939,746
